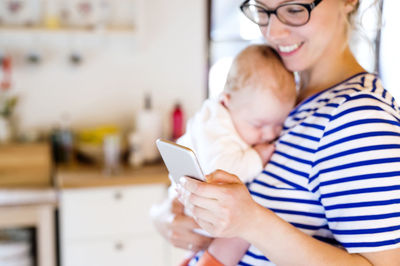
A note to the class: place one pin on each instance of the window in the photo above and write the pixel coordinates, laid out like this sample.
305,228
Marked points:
231,31
389,53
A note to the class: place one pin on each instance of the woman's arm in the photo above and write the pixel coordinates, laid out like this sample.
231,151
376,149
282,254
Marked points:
225,208
228,251
283,238
176,227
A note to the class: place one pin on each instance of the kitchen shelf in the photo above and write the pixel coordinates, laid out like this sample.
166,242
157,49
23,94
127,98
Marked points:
69,30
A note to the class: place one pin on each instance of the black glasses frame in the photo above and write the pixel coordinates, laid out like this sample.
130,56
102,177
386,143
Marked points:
309,8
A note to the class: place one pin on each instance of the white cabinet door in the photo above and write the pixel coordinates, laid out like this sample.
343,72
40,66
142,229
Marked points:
140,251
111,227
108,211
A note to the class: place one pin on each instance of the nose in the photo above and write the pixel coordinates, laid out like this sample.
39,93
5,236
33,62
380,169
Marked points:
275,30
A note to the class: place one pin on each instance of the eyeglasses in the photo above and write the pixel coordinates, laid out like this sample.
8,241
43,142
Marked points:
292,14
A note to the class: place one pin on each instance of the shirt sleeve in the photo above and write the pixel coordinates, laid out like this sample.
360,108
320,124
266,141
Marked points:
357,174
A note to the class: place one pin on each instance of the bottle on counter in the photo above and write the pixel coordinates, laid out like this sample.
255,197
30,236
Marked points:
177,122
148,129
62,142
112,152
135,149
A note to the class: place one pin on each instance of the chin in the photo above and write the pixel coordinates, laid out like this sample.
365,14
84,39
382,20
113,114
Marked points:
294,66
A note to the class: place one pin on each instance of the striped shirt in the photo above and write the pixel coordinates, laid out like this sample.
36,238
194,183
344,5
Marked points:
335,174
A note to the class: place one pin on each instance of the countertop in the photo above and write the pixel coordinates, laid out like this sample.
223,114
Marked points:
79,176
27,176
27,196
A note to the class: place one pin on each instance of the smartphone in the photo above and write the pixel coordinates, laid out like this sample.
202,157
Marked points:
179,160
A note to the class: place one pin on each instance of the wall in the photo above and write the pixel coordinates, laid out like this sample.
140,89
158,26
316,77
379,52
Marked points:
167,57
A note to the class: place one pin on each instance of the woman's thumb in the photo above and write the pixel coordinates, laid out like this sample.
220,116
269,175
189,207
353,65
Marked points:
220,176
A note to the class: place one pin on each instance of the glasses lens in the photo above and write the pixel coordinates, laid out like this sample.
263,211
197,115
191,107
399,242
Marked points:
256,14
293,14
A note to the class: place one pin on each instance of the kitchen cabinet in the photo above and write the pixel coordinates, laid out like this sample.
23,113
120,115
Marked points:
39,215
105,220
25,165
27,198
110,226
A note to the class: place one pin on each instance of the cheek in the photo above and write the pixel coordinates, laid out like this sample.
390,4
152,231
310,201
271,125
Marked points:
251,135
263,31
269,134
257,135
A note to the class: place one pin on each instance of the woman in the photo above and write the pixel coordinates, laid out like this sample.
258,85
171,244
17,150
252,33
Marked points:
331,193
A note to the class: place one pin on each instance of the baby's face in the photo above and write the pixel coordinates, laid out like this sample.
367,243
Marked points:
260,118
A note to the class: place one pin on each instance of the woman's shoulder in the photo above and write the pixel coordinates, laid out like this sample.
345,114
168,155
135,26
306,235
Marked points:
361,96
363,83
360,84
364,91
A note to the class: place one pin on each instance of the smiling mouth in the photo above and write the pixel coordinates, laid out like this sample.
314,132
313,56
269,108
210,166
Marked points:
287,49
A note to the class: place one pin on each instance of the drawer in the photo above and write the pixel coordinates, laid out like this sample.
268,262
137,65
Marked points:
137,251
108,211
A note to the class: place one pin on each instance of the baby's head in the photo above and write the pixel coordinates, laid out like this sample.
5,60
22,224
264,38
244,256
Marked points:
259,94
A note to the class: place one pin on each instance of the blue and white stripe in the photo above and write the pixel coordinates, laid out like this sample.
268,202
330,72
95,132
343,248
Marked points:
335,174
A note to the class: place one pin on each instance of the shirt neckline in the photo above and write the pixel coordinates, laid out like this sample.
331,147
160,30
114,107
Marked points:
312,97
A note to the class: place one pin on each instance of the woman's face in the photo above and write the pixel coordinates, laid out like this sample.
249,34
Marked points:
307,46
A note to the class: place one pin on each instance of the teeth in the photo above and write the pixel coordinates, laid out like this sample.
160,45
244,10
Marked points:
288,48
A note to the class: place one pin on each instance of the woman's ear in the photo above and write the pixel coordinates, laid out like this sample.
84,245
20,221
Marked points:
350,6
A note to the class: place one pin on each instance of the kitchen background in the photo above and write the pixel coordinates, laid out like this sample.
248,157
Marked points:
159,49
86,86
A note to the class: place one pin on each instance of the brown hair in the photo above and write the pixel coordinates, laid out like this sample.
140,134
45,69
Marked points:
352,14
354,18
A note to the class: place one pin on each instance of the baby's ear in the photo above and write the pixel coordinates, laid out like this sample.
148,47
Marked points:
225,98
350,5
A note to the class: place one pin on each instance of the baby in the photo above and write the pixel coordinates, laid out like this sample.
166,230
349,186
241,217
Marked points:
236,132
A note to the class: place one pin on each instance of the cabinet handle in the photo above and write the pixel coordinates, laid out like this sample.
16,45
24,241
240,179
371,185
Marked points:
119,246
118,195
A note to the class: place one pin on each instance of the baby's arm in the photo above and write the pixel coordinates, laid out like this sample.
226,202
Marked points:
244,163
265,151
227,251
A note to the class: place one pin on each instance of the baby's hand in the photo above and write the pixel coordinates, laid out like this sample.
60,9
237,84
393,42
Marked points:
265,151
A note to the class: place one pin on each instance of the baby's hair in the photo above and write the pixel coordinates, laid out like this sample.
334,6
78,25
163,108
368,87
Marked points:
255,64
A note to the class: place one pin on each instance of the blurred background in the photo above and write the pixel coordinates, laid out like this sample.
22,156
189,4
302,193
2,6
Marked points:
87,86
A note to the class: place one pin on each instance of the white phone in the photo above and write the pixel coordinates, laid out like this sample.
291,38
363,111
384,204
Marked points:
179,160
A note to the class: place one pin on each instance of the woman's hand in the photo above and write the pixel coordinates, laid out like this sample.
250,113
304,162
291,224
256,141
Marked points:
222,206
176,227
